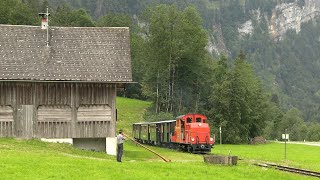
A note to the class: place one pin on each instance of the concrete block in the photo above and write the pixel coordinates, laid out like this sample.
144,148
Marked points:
219,159
93,144
111,146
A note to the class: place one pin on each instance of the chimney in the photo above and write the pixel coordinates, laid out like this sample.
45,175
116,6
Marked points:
45,23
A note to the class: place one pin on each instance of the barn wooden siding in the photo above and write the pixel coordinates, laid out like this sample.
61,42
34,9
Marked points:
57,110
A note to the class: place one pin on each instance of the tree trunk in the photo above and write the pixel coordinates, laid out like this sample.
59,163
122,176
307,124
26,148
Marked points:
157,102
197,103
169,101
172,90
180,101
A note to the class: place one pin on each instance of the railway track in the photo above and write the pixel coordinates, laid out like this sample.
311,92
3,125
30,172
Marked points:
290,169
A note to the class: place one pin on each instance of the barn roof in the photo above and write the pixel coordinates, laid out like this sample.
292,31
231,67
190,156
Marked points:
88,54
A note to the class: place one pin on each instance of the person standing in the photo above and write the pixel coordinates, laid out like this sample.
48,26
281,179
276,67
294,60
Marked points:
120,140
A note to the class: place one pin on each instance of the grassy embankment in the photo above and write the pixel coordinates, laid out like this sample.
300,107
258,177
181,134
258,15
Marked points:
32,159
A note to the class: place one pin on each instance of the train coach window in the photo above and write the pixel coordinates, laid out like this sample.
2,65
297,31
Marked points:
189,120
198,119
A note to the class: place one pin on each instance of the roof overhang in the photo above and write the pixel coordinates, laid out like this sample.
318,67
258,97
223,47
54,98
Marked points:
119,85
66,81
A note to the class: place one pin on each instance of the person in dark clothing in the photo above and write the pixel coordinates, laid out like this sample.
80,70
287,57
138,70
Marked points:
120,140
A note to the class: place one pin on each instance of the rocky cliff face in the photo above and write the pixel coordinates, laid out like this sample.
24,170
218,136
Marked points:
291,15
216,43
285,16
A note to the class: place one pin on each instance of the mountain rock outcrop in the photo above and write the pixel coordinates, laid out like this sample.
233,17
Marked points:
285,16
291,15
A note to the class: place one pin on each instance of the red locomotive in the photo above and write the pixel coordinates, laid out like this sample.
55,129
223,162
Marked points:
189,132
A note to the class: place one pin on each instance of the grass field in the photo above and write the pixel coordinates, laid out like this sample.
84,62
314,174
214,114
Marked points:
301,156
129,111
33,159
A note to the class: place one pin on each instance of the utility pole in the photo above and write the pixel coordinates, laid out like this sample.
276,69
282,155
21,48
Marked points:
47,15
220,135
285,144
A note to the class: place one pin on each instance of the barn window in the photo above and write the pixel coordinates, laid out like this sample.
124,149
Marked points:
6,121
6,113
54,113
94,113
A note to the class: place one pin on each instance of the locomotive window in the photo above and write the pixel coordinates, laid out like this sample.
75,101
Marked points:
198,119
189,120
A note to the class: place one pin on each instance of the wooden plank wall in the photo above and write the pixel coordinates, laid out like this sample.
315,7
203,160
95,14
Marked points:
61,98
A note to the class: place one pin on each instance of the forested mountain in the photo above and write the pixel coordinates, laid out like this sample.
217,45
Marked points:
252,66
281,38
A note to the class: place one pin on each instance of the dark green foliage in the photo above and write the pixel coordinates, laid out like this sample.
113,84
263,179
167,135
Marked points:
274,116
100,8
115,20
138,56
293,122
239,104
313,133
67,17
290,67
150,116
176,50
16,12
231,16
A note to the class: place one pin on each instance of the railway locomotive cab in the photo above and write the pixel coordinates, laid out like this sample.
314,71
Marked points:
189,132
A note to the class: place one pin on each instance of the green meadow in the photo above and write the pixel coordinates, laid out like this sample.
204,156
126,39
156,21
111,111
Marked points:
33,159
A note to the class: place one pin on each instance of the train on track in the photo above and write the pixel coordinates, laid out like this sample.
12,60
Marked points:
189,132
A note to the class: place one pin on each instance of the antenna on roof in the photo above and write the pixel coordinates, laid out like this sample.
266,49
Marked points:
45,23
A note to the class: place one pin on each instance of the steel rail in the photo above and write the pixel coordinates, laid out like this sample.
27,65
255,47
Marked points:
290,169
163,158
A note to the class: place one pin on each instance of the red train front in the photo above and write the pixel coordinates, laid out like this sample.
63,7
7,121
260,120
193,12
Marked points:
189,132
192,133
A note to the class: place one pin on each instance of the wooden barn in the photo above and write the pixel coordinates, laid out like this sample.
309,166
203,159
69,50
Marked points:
62,82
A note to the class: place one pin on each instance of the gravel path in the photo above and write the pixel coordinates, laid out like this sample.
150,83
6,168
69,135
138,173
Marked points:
304,143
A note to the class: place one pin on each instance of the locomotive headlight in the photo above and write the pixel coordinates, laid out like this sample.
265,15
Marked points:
192,139
211,139
200,124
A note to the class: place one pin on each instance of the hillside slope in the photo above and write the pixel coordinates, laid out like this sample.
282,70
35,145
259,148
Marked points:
130,111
